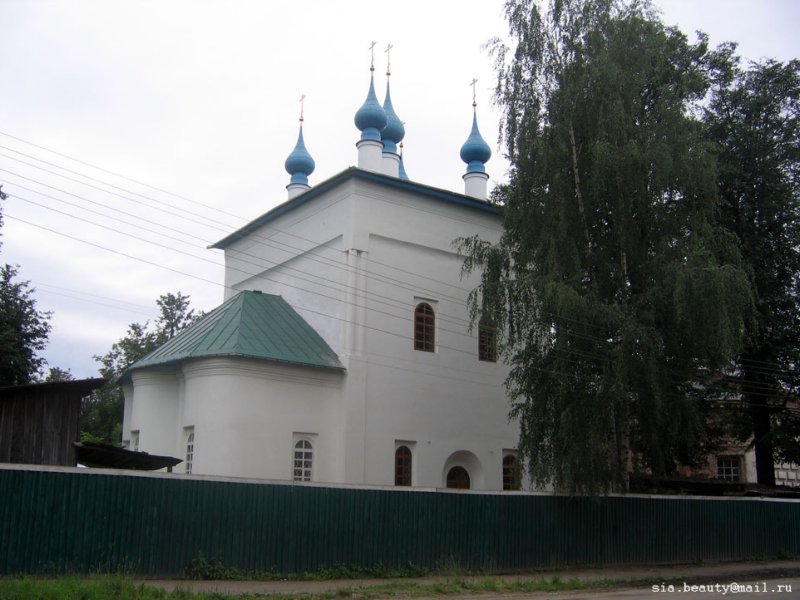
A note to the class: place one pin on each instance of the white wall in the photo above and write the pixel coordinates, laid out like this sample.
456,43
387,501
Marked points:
448,402
353,262
245,413
154,410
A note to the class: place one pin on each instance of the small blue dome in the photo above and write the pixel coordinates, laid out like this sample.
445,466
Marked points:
299,163
402,171
394,132
475,151
371,118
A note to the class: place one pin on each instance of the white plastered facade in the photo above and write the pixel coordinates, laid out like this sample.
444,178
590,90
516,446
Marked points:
354,261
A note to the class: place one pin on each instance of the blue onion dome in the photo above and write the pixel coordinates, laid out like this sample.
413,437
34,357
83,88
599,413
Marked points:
299,163
402,170
394,132
371,118
475,151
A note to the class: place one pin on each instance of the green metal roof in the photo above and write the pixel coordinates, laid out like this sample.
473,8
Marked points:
249,325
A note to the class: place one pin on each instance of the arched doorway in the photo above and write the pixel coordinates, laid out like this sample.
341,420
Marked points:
458,478
462,470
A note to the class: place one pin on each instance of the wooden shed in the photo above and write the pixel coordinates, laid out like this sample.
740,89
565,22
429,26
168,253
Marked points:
39,421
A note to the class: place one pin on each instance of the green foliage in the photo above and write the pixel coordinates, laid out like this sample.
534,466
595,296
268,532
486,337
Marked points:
58,374
101,415
754,120
73,588
101,412
618,292
201,567
89,437
175,315
24,330
123,588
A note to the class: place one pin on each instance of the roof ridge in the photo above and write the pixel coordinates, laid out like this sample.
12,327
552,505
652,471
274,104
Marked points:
250,324
432,192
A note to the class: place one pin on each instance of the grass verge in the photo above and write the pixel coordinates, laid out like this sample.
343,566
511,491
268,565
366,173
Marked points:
205,568
123,588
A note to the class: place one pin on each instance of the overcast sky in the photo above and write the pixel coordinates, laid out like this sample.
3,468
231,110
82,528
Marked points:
200,101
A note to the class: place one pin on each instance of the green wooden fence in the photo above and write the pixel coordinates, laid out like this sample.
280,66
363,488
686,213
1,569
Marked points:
79,520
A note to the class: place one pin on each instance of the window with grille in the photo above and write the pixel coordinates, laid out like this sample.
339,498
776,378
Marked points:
189,460
303,460
402,466
424,327
487,341
729,468
510,473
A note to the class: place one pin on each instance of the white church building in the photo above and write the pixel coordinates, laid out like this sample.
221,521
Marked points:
343,351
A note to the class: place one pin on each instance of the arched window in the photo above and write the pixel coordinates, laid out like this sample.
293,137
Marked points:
424,327
510,473
402,466
458,478
303,460
189,460
487,340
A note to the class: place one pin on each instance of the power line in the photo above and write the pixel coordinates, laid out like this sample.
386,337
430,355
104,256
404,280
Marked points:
95,223
40,284
264,241
96,302
334,317
152,187
299,308
195,202
261,264
581,354
116,187
119,231
100,204
260,273
332,262
163,210
101,247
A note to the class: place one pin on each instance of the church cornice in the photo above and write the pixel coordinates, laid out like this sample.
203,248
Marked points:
356,173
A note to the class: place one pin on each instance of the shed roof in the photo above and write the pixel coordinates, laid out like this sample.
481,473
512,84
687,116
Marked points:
72,388
94,454
249,325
